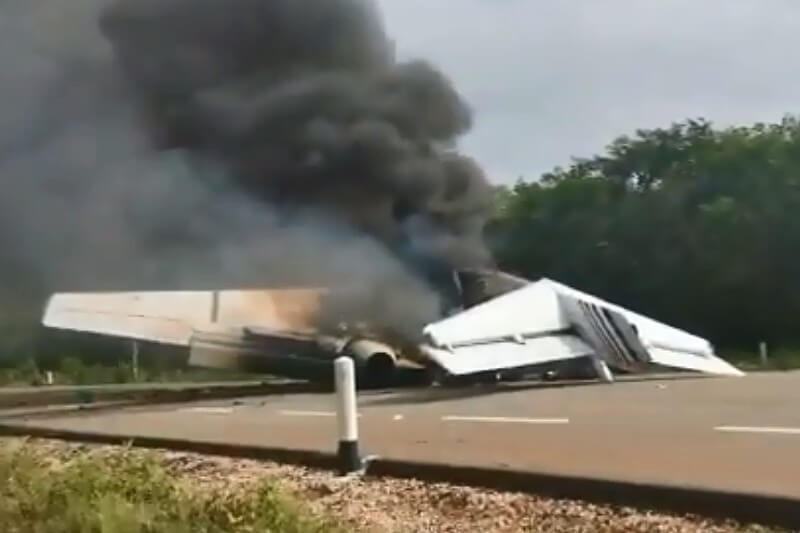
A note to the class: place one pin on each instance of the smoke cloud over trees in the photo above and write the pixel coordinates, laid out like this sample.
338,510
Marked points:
197,143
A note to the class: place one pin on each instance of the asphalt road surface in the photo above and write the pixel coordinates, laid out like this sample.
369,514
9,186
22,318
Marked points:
735,434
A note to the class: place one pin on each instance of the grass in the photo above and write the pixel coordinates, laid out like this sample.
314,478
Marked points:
133,493
779,359
72,371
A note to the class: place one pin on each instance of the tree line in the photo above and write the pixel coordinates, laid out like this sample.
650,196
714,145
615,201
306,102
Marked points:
694,225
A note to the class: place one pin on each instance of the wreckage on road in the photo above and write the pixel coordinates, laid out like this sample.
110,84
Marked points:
506,326
546,322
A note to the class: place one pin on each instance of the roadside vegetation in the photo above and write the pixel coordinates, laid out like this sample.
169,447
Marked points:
73,370
782,359
27,354
134,493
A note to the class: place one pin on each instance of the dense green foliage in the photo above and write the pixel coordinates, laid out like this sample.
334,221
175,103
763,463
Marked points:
133,493
692,225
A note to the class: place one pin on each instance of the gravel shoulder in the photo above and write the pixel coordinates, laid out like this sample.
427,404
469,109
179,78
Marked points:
406,506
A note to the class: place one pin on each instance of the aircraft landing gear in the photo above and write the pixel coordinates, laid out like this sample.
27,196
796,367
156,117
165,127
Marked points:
603,372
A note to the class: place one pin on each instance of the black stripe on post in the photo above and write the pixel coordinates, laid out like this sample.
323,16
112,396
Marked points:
349,457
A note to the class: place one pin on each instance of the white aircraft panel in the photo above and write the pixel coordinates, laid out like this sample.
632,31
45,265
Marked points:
508,354
607,331
689,361
648,329
530,309
620,337
166,317
665,345
161,330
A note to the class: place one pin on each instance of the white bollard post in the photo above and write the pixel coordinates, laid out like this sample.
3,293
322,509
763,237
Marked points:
762,353
347,416
48,377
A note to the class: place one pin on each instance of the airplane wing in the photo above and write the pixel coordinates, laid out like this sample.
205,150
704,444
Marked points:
508,354
171,317
631,340
546,321
522,328
260,329
162,317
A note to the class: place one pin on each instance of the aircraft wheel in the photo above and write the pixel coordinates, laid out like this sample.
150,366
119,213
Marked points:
550,375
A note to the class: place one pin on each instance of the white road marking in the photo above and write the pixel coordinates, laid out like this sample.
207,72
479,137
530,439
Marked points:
759,429
397,417
310,413
209,410
505,420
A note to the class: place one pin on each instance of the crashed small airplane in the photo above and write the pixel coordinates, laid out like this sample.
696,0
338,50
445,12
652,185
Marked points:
506,326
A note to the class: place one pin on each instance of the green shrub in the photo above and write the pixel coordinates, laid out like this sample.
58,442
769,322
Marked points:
24,373
133,493
782,358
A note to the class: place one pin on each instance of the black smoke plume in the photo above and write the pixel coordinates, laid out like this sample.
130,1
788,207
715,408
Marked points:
179,143
305,105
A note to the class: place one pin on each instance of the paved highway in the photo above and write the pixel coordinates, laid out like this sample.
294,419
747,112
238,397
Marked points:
737,434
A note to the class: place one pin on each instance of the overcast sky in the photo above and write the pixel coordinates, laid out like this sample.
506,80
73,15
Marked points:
551,79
